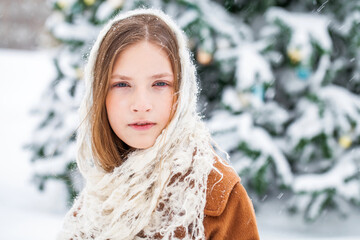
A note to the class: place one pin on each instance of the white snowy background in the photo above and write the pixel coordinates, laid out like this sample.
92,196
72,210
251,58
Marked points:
27,214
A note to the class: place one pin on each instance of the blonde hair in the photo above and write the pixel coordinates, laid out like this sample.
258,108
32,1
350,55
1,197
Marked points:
107,148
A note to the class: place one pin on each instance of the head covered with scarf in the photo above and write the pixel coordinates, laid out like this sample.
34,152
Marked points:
153,193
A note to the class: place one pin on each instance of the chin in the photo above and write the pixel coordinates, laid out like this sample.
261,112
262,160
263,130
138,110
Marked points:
142,145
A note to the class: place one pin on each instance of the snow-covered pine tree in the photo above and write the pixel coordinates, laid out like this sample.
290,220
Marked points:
302,131
283,76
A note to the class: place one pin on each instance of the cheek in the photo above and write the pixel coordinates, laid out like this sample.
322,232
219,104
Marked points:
109,106
167,106
113,108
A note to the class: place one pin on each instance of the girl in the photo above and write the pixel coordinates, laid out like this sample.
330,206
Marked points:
146,156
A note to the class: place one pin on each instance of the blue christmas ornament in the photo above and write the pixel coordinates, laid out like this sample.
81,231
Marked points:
258,91
303,73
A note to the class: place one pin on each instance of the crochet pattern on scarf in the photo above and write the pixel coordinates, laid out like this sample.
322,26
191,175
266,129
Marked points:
157,193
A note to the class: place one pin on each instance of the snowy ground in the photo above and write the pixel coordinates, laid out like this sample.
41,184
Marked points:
26,214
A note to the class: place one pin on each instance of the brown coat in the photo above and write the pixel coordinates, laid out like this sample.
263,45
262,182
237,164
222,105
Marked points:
229,213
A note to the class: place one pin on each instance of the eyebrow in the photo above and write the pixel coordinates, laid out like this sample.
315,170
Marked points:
155,76
161,75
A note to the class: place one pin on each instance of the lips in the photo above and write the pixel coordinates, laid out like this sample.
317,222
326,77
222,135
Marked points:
142,125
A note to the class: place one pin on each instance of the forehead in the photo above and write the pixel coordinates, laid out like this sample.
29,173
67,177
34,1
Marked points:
143,58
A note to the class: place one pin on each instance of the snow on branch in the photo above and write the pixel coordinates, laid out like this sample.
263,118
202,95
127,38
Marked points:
338,178
305,29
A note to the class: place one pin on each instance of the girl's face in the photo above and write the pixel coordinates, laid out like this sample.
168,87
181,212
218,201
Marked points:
140,96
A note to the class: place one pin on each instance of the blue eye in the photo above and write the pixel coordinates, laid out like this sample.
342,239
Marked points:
161,84
121,84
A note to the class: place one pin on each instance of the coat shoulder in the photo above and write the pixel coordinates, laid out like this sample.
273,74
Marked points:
221,182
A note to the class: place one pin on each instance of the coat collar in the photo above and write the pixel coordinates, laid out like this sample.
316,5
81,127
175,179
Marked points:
220,183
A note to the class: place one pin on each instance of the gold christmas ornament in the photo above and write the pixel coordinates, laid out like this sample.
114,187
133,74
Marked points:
203,57
116,3
89,2
62,4
244,99
345,141
295,55
79,73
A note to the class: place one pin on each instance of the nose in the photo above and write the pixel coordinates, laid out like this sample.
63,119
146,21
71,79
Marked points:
141,102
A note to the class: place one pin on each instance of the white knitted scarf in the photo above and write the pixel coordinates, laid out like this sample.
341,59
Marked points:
157,193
